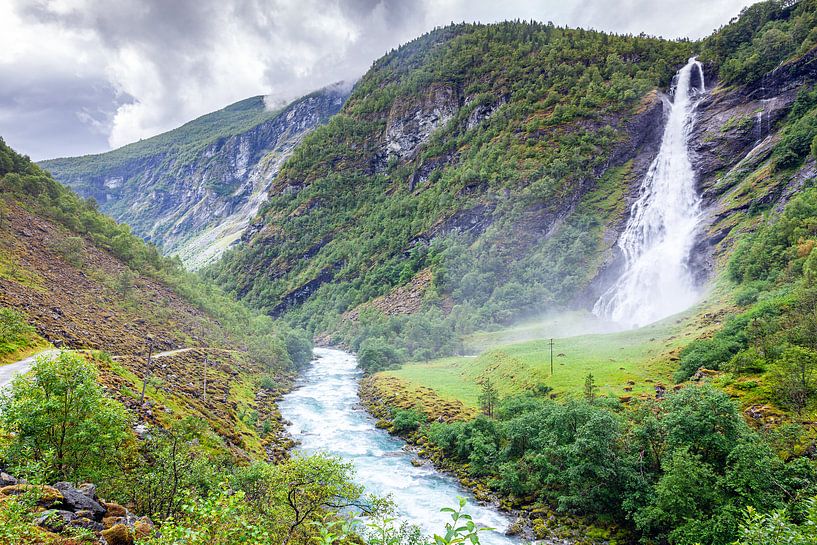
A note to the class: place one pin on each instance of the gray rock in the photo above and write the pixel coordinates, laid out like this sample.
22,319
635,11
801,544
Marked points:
54,520
6,479
78,500
89,490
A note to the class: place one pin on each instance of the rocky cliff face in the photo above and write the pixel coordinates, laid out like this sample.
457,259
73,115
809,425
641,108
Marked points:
734,137
195,205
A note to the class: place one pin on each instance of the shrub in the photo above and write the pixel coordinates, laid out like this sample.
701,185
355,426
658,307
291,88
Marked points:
61,418
407,420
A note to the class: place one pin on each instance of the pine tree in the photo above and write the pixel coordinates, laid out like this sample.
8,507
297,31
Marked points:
488,398
589,388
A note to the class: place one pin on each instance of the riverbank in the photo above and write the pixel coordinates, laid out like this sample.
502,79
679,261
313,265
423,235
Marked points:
532,520
325,414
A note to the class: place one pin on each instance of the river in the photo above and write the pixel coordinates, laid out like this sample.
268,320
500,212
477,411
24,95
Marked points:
325,414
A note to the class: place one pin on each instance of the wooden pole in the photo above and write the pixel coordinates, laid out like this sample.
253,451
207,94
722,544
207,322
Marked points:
551,357
147,373
205,378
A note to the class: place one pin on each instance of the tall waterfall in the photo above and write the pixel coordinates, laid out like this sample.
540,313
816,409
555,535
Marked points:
657,241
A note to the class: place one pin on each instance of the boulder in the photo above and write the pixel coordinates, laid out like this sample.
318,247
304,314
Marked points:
54,520
47,496
118,535
110,522
88,524
89,490
114,510
143,527
6,479
77,500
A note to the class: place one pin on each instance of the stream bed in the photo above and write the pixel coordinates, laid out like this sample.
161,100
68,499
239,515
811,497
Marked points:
326,415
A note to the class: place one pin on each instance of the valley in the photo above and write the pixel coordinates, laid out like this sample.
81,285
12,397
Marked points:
517,283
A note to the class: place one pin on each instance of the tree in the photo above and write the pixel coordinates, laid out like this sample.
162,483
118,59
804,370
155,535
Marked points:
377,355
705,421
61,419
793,377
686,492
124,282
298,492
14,331
168,461
589,388
488,398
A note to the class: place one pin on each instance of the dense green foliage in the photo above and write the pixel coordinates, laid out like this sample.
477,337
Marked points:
777,528
62,421
344,212
15,333
764,35
680,469
267,342
775,269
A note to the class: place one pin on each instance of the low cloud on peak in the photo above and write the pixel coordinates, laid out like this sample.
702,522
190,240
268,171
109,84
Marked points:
82,76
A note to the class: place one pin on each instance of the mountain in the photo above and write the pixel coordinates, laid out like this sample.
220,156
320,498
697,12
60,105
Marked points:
483,173
74,279
191,191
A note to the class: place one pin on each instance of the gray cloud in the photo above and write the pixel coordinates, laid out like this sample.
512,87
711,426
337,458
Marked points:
82,76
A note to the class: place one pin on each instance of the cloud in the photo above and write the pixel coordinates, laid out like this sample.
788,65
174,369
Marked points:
99,73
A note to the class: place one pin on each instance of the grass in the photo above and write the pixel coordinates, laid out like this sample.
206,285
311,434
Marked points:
517,359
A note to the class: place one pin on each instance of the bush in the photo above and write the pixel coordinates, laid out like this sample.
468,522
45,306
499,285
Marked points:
407,420
15,333
793,377
377,355
61,419
71,249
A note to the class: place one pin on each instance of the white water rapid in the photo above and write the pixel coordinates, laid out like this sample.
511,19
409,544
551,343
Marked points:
660,233
325,415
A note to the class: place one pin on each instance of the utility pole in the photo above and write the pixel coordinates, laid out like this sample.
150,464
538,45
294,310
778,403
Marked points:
551,357
205,378
149,369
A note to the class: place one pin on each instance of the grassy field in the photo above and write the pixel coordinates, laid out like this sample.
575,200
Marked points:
623,363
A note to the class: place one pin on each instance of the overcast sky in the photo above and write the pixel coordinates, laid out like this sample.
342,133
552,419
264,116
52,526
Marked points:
84,76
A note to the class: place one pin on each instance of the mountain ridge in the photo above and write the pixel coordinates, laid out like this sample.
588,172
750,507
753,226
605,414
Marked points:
192,190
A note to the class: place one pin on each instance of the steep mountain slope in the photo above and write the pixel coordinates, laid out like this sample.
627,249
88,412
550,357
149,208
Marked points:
191,191
83,283
499,156
497,164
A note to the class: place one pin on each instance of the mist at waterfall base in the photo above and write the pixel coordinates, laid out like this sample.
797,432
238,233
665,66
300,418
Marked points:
656,243
325,415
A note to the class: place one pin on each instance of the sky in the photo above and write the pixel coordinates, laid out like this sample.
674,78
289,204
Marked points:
86,76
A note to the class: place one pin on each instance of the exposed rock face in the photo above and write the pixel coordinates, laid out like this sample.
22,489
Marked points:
195,207
411,125
734,135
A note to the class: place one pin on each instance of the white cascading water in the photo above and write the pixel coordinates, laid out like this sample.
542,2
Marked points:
657,281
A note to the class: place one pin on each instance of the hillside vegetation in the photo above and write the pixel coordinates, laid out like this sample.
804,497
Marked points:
495,156
192,191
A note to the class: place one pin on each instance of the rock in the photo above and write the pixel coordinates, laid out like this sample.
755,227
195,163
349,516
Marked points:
6,479
89,490
118,535
114,510
88,524
517,527
48,496
54,520
110,522
143,527
78,500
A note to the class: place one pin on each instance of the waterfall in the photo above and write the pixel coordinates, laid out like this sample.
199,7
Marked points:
660,233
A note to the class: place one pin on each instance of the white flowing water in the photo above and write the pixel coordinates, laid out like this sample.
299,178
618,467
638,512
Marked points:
660,233
325,415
